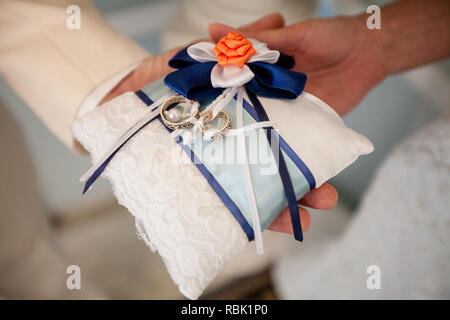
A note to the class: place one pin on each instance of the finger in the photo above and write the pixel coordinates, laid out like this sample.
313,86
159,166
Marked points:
157,66
219,30
197,41
278,39
283,222
325,197
270,21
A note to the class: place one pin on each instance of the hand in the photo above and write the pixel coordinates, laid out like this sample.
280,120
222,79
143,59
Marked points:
337,54
344,60
325,197
155,67
151,69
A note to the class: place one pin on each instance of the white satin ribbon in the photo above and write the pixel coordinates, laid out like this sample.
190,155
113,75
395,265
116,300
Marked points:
247,177
219,105
147,116
253,126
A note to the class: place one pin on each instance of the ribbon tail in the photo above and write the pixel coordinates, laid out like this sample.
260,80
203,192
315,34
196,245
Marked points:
282,168
98,171
247,177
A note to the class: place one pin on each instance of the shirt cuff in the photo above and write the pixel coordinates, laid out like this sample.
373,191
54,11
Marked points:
98,93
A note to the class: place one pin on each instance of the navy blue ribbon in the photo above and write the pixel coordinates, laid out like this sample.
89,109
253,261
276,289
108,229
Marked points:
193,79
282,169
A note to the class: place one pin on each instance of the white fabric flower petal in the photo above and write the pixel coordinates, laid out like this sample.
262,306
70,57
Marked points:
263,53
257,45
230,76
202,52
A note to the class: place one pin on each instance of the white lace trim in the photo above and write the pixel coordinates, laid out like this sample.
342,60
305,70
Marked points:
177,213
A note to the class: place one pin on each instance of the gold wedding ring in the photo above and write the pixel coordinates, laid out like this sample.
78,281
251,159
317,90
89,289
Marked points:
172,124
222,131
207,117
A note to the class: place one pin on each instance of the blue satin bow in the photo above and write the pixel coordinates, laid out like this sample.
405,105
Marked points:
193,78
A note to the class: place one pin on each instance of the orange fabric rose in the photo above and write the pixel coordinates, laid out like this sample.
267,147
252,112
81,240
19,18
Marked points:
233,49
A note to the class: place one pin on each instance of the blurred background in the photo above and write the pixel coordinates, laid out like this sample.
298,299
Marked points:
94,232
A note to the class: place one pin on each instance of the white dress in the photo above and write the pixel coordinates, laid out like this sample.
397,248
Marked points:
402,227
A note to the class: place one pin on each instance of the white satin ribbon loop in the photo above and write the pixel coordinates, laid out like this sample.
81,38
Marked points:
230,76
202,52
263,53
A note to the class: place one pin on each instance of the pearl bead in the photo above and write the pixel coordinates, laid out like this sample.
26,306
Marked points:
173,115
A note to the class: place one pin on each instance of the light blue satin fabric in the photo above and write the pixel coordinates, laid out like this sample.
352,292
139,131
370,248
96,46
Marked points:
268,188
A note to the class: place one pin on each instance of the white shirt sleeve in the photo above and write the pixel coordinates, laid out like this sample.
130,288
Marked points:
61,72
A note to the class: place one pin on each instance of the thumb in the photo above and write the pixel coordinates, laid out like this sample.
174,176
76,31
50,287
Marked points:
274,38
